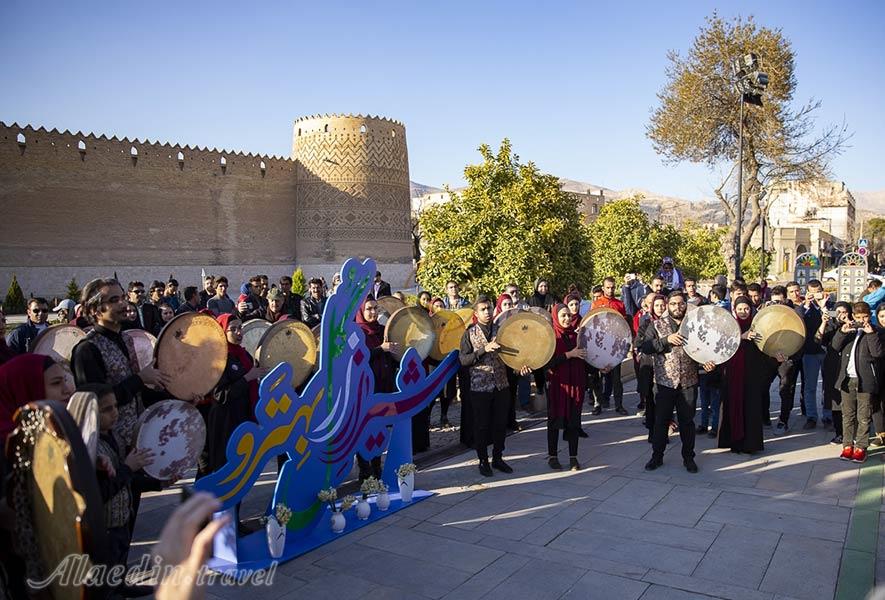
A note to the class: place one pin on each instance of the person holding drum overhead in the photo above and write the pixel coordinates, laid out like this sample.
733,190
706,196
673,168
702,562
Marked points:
383,368
566,385
103,356
745,376
489,395
676,376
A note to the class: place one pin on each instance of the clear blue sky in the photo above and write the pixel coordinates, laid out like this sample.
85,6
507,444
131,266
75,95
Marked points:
571,83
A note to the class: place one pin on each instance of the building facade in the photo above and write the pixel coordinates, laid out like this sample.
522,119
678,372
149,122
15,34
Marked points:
77,206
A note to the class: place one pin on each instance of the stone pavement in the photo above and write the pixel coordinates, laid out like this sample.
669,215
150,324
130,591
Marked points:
777,525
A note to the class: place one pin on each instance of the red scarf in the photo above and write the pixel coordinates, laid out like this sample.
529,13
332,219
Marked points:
567,382
21,381
500,301
242,356
382,363
576,317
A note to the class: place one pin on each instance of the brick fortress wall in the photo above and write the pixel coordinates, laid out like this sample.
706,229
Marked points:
76,205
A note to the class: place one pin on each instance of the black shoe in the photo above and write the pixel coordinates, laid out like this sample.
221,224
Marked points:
582,433
621,411
837,440
499,464
810,424
653,464
554,463
712,434
701,429
573,464
484,468
597,410
690,465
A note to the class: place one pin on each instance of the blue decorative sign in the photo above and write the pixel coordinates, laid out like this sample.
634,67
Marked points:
336,416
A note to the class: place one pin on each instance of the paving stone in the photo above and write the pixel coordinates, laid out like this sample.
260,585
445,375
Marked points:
705,586
551,554
544,580
439,551
660,592
739,556
821,512
330,587
406,573
602,585
635,552
468,536
635,499
668,535
487,579
682,506
605,490
555,526
803,567
769,521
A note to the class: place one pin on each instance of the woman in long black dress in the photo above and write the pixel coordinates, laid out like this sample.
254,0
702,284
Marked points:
745,376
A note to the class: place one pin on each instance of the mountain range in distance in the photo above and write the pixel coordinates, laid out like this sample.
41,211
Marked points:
672,209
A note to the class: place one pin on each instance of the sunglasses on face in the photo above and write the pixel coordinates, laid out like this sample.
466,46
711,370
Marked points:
139,292
37,311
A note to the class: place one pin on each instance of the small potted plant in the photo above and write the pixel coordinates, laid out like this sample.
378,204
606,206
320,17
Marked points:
405,476
383,498
363,509
276,529
329,495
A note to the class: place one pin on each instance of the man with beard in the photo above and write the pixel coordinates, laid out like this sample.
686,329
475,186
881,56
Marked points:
313,304
22,337
676,376
292,305
208,291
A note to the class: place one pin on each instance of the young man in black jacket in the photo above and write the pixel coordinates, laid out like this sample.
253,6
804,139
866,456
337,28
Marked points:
861,349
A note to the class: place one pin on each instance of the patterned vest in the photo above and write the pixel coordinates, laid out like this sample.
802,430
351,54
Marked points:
675,368
488,372
118,508
119,367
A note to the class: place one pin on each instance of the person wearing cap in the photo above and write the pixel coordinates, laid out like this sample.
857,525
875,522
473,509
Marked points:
672,276
65,311
22,337
276,305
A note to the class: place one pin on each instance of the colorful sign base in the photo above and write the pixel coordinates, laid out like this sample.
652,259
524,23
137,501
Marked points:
254,555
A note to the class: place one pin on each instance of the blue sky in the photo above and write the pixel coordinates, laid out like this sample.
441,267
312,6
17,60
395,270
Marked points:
570,83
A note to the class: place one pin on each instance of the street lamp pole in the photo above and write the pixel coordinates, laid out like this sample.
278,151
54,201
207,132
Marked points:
740,199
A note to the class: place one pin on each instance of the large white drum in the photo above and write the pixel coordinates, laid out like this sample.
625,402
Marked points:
176,433
712,334
606,336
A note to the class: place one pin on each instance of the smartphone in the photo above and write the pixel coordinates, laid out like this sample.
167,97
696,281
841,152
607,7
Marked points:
832,314
857,324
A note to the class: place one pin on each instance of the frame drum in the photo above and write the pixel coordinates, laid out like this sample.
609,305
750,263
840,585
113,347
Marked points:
711,333
606,337
526,339
253,331
781,328
192,350
176,432
449,330
291,342
411,327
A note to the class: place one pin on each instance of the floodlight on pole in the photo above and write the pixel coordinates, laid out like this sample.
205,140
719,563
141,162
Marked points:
750,83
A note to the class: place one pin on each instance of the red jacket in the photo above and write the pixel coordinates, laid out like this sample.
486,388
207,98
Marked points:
613,303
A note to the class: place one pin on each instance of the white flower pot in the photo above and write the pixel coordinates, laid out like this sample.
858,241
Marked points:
363,510
276,537
383,501
406,487
337,522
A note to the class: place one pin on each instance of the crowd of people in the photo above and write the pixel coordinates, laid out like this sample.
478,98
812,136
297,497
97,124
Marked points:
843,346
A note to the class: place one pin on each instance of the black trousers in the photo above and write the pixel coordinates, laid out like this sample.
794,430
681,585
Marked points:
788,371
612,383
570,434
684,400
594,385
490,421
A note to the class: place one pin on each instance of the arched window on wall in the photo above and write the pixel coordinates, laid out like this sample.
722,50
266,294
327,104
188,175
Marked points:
363,129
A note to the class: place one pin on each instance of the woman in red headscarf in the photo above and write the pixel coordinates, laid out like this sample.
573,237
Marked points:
744,381
29,378
654,307
383,368
566,385
573,302
235,396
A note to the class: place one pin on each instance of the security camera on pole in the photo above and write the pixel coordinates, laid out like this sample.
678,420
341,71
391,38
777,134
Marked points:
750,83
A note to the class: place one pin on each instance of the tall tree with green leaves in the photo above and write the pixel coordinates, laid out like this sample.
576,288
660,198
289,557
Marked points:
299,283
625,240
73,290
14,303
511,224
698,121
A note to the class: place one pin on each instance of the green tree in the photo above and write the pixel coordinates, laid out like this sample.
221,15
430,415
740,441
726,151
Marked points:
14,303
625,240
73,290
299,283
874,231
750,263
511,223
698,120
699,254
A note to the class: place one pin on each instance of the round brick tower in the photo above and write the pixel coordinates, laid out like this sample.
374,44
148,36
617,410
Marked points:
352,192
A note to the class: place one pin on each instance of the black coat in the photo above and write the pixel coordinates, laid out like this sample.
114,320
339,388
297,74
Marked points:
152,322
867,354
